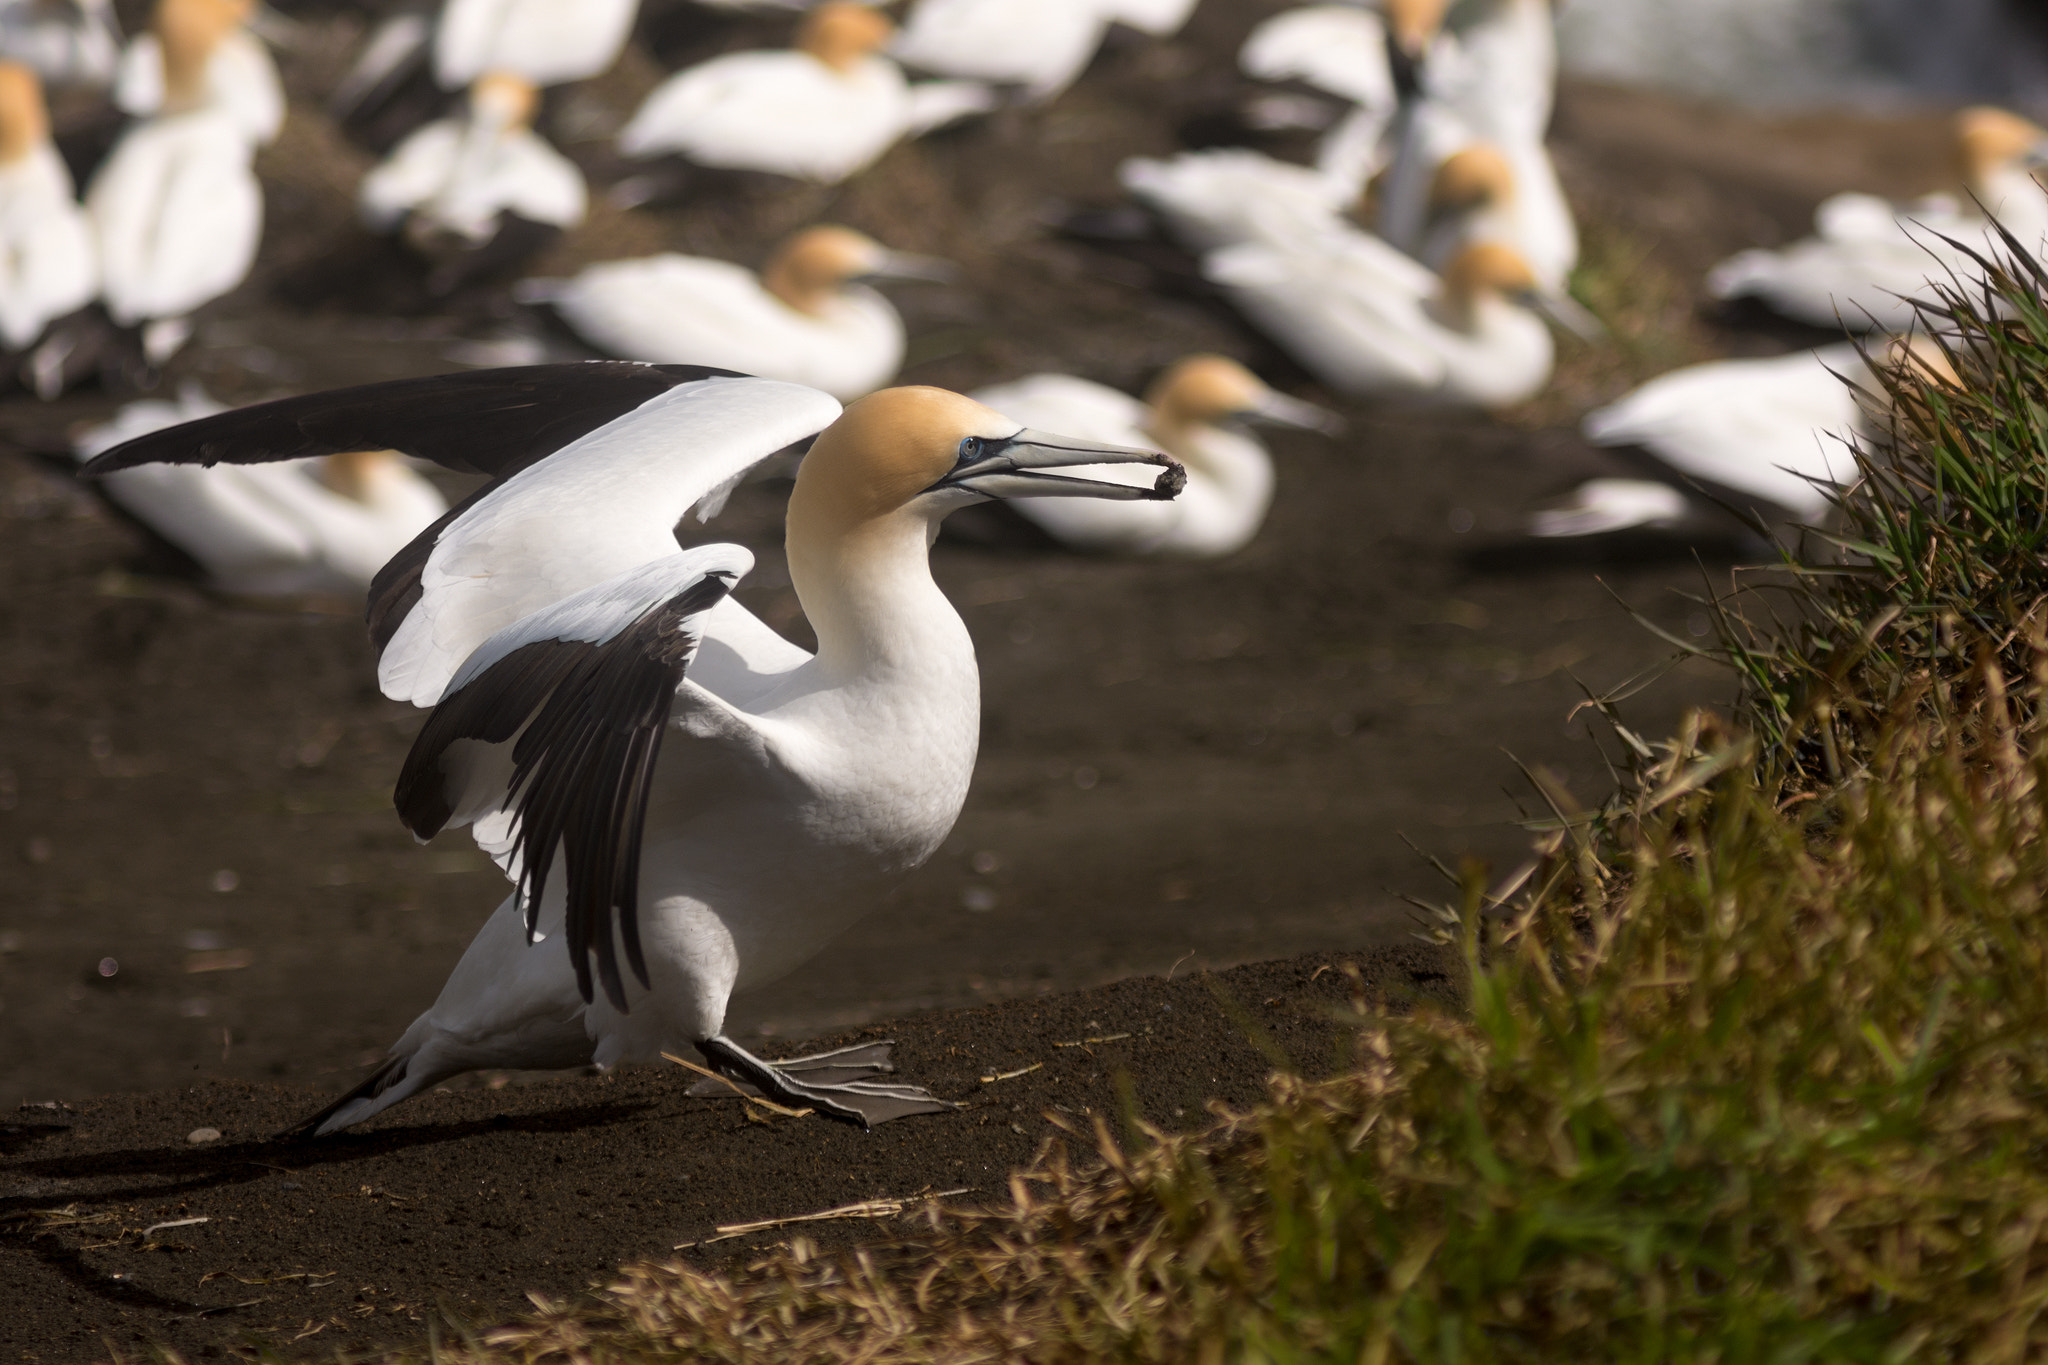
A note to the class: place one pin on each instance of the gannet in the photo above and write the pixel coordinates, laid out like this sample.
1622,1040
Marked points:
1341,50
1157,18
806,318
630,743
239,76
316,527
1219,196
1603,506
1040,45
1366,319
67,43
478,193
545,42
1869,259
48,267
1194,412
1475,196
1776,432
175,208
820,112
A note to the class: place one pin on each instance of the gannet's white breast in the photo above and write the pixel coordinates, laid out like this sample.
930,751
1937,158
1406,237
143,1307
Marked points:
1229,475
692,310
548,42
47,263
241,78
1219,196
785,112
1768,428
77,45
1039,44
440,172
177,213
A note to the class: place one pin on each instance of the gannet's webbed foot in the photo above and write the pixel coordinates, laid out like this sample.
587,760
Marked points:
839,1084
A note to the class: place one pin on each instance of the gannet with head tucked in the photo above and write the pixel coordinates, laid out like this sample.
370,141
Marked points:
239,77
1869,259
1366,319
820,112
807,317
687,800
67,43
316,527
175,207
1195,412
48,266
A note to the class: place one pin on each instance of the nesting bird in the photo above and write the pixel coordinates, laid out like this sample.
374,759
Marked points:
237,77
1868,259
302,528
821,112
689,802
176,209
479,193
807,317
48,265
1195,412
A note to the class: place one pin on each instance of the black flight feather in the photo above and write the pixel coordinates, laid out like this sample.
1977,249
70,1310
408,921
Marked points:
589,720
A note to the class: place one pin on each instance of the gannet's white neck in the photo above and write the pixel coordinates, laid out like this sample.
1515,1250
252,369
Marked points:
869,595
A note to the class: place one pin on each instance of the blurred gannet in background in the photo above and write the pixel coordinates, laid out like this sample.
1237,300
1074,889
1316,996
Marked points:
1158,18
175,208
819,112
545,42
1340,50
1475,197
1219,196
48,265
1193,412
1041,45
806,318
1869,258
1366,319
1776,432
477,193
297,528
67,43
240,78
665,779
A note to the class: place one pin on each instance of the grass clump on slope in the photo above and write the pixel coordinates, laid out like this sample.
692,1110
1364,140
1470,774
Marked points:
1756,1062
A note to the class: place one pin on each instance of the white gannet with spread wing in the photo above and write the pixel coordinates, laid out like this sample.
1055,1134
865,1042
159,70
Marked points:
1868,259
807,317
822,111
291,529
239,77
48,266
1194,412
687,800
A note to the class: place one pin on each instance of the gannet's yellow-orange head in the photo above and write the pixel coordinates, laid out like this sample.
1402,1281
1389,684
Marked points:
1989,140
1472,178
1415,23
24,120
1488,268
188,31
1204,388
811,266
504,99
922,452
840,33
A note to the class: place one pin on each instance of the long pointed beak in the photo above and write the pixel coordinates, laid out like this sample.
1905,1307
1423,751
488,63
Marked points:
1566,312
905,265
1013,467
1281,410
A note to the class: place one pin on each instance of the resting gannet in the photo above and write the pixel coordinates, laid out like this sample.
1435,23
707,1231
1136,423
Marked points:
477,193
1040,45
820,112
239,76
1194,412
806,318
175,207
293,529
1868,259
1367,320
48,267
1475,196
545,42
687,800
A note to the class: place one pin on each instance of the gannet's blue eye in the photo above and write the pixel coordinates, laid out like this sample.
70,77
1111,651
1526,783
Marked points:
970,449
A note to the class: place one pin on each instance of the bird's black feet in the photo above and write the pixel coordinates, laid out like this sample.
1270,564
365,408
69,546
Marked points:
840,1084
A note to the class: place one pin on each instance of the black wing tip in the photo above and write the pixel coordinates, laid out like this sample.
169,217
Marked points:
376,1083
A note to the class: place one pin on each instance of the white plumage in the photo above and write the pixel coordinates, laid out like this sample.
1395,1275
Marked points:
547,42
241,80
1223,195
65,42
1041,45
457,175
47,263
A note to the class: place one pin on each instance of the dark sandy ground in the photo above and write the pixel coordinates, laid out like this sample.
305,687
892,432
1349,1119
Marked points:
1183,766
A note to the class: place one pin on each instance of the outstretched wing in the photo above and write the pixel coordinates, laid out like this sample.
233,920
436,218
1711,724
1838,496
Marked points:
593,464
582,693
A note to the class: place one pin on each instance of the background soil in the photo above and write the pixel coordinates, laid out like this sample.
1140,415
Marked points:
1182,765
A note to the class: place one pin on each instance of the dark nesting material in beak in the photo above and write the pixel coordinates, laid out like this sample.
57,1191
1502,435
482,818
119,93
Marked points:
1012,467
